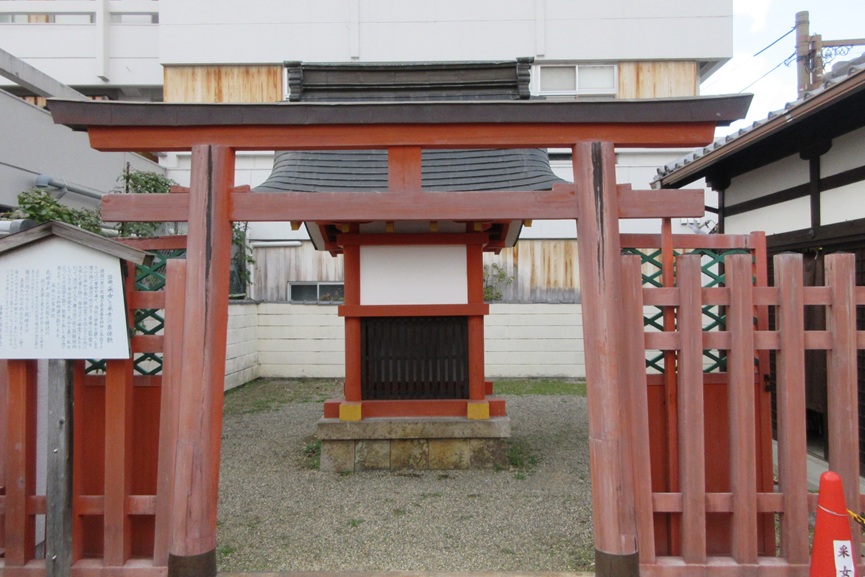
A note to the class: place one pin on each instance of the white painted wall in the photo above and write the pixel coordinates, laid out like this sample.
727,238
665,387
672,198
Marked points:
782,217
842,204
781,175
847,152
395,30
127,54
32,145
836,205
413,275
544,340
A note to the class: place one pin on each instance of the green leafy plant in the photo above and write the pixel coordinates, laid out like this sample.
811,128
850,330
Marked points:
312,455
38,205
496,279
142,182
241,260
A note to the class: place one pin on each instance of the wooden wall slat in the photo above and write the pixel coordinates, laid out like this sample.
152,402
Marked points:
842,393
169,406
692,453
58,517
118,461
4,382
21,461
634,356
743,459
790,368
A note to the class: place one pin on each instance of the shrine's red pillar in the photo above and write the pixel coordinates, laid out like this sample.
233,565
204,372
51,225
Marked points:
609,438
192,543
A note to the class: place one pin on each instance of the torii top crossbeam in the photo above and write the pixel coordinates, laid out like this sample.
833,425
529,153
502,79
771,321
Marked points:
403,128
214,132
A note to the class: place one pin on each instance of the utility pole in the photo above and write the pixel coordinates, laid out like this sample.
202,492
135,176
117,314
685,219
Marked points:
809,53
803,52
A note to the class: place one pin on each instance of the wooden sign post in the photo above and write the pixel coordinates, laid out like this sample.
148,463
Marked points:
62,298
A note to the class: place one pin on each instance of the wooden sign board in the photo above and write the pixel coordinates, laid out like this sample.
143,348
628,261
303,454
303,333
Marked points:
61,300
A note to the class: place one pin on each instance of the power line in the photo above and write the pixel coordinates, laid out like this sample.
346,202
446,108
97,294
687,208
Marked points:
783,62
790,31
744,62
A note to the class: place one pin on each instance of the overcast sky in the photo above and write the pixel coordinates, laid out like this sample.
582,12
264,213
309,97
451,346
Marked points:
758,23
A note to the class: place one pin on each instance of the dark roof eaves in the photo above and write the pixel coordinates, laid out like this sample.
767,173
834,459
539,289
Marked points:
716,109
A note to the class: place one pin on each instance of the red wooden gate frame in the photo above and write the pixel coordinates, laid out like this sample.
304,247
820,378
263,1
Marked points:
214,132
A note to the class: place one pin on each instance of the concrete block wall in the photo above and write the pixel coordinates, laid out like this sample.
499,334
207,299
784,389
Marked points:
534,340
300,341
241,353
285,340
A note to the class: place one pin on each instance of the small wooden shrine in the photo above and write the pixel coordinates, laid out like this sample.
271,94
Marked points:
414,296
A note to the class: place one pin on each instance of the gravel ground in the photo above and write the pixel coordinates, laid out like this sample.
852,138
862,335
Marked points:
278,514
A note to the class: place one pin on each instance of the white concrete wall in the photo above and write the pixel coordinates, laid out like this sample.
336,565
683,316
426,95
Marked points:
241,354
544,340
115,44
539,340
300,341
128,41
32,145
395,30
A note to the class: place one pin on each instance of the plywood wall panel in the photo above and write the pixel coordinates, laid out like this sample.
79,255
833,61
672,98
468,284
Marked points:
662,79
205,84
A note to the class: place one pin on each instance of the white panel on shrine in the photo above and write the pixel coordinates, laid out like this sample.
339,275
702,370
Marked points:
413,275
61,300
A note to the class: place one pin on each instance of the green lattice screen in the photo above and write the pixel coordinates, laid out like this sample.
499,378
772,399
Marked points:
146,321
713,317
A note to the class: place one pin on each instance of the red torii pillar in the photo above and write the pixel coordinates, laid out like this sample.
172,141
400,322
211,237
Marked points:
612,469
195,487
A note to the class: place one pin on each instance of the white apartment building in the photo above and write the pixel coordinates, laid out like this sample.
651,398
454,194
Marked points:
230,51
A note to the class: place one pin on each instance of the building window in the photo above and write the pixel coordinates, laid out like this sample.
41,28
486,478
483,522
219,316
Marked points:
316,292
594,80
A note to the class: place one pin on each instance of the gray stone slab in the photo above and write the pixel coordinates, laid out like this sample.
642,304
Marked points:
414,428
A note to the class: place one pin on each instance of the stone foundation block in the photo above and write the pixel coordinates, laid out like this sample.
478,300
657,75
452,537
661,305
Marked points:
450,454
371,455
337,456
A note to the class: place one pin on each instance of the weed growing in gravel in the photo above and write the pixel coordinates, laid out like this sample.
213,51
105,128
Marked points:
224,551
521,387
312,455
399,512
355,523
521,458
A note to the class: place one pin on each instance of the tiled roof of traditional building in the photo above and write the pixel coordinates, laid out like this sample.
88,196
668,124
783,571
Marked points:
840,73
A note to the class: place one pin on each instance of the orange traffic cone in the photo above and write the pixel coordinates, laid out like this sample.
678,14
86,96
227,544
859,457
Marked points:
832,554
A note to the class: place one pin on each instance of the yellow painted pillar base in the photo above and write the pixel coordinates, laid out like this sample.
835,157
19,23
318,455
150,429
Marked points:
478,411
350,411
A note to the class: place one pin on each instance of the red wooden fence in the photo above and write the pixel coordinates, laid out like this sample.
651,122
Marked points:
120,517
745,502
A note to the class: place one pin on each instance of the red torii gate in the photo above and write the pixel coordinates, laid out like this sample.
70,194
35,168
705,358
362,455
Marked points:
214,132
